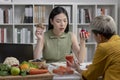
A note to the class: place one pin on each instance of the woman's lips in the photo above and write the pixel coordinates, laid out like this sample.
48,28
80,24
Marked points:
61,29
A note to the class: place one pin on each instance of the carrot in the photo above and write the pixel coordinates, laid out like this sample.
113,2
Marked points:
37,71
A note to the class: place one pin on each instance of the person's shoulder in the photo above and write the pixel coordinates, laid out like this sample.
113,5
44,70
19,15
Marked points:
71,33
113,41
105,45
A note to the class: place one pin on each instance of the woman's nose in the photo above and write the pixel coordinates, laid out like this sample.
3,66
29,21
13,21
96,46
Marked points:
62,23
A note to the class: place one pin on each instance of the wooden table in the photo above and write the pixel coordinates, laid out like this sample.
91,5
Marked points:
46,76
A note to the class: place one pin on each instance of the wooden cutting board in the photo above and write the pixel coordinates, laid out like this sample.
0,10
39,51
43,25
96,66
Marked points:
46,76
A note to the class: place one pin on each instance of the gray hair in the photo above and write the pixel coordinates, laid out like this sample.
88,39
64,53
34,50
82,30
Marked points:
104,25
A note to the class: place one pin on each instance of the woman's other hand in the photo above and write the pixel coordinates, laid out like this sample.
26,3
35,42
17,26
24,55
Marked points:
40,29
84,35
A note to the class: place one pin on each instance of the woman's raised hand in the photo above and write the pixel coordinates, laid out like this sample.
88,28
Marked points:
40,29
84,35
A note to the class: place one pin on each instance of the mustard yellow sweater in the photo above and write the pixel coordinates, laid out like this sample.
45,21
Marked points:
106,61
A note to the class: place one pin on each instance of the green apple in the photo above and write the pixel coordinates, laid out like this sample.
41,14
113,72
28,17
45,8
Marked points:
15,71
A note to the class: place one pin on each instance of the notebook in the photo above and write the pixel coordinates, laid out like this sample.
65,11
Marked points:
23,52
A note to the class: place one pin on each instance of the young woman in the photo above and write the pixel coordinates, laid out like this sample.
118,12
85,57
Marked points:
57,42
106,61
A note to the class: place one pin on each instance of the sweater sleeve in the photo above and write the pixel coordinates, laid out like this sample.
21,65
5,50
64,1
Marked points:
96,69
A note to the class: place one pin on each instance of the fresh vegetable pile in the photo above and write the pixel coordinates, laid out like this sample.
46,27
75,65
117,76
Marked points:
10,67
30,68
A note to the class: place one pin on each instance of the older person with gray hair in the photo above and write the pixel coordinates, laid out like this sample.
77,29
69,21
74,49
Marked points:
106,60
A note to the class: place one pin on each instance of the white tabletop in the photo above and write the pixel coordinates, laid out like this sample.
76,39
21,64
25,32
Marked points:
75,76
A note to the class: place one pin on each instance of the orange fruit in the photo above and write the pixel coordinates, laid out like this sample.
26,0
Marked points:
24,66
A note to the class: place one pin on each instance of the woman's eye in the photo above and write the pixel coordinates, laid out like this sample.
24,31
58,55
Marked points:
58,21
65,21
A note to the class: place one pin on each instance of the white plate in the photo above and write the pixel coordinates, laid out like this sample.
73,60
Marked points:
55,65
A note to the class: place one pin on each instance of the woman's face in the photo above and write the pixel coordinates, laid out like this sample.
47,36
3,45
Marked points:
59,23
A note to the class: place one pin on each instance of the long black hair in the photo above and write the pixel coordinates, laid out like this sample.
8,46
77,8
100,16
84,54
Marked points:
57,10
